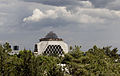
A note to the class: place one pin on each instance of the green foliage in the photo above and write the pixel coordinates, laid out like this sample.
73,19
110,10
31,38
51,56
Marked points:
5,67
94,62
45,65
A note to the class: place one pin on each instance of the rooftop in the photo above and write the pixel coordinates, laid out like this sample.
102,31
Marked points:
51,36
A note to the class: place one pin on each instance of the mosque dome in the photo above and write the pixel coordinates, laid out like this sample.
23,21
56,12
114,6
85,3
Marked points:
51,36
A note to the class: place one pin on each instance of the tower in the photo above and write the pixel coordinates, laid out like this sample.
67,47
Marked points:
51,44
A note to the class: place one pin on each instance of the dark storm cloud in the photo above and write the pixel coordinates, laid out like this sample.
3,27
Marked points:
112,4
115,5
59,2
100,3
96,3
55,2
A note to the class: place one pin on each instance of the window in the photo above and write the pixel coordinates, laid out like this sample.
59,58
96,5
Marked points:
54,49
35,49
15,47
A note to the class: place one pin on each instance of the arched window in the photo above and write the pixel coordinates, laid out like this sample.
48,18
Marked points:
35,49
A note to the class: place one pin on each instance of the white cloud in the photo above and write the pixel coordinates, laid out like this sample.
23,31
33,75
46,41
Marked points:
101,12
78,15
86,4
63,13
38,15
90,19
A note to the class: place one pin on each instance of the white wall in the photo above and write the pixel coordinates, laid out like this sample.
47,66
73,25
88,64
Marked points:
44,44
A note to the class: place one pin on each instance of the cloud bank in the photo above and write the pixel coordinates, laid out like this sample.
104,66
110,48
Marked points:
78,22
78,15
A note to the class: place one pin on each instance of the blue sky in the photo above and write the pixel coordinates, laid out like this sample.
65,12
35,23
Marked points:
78,22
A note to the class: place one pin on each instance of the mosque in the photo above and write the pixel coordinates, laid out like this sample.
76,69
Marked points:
51,44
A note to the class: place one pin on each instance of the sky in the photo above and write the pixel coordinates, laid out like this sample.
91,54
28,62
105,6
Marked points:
78,22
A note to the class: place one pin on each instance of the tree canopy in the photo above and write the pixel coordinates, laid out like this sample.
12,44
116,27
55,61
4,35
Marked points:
94,62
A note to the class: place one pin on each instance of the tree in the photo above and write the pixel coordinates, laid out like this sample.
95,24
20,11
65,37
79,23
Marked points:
4,57
25,68
74,61
47,66
94,62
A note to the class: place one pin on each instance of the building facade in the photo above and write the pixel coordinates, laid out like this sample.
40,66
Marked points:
15,50
51,44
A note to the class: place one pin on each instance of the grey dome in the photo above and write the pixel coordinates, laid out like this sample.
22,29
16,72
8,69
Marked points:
51,35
